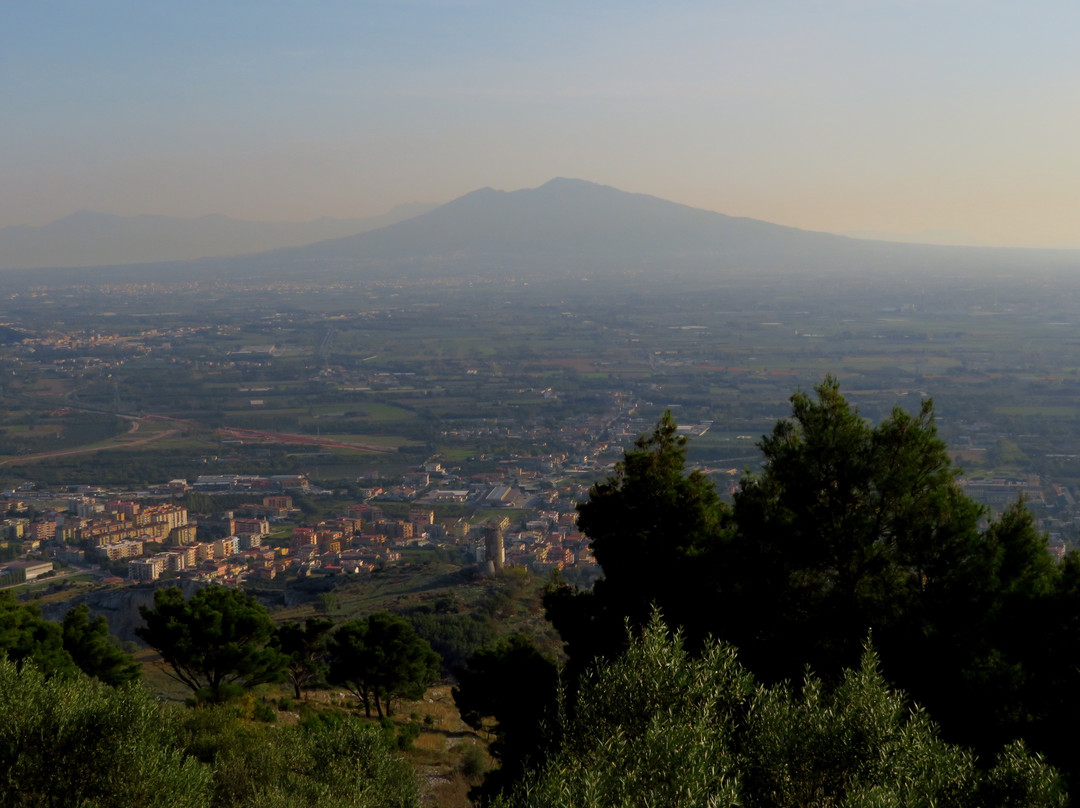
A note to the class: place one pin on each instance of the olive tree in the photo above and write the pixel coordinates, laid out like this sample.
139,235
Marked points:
659,726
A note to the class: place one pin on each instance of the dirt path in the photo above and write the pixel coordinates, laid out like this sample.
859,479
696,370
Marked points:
303,440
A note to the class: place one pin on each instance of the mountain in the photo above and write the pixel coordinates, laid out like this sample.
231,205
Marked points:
568,222
572,229
88,238
569,228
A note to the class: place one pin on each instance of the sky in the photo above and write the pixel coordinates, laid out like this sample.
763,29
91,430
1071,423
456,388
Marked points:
938,120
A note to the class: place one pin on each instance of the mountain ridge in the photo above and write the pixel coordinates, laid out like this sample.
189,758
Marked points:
569,227
563,217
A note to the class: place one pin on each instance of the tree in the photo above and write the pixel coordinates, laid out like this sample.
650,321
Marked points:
78,643
659,726
351,662
852,528
94,650
1031,674
305,649
510,690
849,528
651,509
217,643
653,528
380,658
26,635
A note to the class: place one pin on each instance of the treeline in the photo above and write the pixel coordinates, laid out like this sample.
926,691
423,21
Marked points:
222,642
454,635
112,467
852,533
76,729
78,644
135,467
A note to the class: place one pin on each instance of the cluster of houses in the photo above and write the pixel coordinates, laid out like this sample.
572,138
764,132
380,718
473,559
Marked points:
110,530
152,538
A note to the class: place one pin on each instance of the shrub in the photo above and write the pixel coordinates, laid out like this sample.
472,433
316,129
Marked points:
78,742
407,735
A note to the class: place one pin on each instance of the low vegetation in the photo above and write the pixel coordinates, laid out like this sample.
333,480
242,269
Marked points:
76,742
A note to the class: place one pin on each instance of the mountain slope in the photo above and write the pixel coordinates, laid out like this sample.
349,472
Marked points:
569,228
591,226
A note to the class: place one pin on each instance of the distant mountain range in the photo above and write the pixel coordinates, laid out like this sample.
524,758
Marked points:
88,238
564,229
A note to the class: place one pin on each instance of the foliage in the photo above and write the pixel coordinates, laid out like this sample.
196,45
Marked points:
76,742
407,735
651,508
26,635
852,527
202,503
339,763
653,530
473,763
453,636
661,727
849,528
73,741
94,650
79,643
380,658
510,690
217,642
305,649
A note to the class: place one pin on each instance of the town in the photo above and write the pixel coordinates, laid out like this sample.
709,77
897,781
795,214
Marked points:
147,536
386,402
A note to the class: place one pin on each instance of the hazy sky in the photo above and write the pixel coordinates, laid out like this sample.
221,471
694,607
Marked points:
859,115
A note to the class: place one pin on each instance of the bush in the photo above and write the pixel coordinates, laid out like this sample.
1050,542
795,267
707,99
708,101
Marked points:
78,742
326,761
264,711
407,735
473,763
